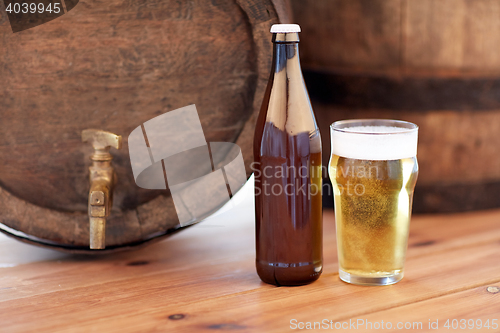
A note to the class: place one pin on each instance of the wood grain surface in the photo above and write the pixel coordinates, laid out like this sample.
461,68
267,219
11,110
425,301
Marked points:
204,280
400,35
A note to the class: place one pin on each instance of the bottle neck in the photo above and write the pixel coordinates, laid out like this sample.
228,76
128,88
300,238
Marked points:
286,53
287,37
289,108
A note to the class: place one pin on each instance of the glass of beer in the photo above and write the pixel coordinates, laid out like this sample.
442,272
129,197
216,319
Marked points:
373,169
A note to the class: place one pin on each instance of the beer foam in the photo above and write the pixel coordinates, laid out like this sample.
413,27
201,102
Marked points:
374,142
375,129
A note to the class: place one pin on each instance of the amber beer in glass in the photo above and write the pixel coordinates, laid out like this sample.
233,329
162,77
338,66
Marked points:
287,170
373,169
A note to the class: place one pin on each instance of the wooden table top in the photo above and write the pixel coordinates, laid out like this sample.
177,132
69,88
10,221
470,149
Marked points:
203,280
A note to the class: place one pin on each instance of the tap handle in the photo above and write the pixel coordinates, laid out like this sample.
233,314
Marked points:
101,141
102,180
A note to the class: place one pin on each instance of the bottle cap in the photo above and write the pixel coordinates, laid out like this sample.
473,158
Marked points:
284,28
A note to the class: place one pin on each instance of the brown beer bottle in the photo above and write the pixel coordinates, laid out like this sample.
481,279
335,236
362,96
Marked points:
287,170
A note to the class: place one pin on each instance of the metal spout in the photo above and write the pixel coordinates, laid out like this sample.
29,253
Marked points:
102,182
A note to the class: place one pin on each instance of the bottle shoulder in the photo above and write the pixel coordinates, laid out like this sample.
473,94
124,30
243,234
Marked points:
288,107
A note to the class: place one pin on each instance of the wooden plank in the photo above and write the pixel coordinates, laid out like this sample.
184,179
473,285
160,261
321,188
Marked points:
460,34
167,257
161,259
140,307
476,303
431,234
215,287
271,309
399,34
349,33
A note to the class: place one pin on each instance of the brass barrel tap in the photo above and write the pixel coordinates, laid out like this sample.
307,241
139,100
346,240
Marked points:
102,182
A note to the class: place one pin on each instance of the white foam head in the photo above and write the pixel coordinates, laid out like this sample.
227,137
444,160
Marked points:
374,139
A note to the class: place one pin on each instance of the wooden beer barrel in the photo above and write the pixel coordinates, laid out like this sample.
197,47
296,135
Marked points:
434,63
113,65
